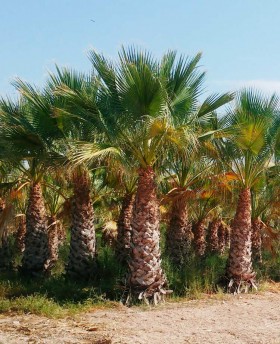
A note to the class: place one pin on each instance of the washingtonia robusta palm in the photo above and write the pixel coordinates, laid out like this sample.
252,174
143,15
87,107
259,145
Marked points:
80,121
29,133
185,175
184,163
190,114
56,200
247,154
122,179
130,98
141,107
142,92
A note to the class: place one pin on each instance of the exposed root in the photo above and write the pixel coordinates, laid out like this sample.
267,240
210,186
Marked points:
242,285
149,297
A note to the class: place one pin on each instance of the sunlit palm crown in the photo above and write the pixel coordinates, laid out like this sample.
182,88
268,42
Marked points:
29,132
138,105
252,127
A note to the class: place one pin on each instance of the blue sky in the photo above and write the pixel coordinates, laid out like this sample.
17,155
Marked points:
239,38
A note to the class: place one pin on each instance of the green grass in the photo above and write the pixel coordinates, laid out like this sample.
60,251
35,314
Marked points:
53,297
269,268
197,276
56,296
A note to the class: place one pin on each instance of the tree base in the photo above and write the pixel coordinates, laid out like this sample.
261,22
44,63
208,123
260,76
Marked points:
239,285
147,297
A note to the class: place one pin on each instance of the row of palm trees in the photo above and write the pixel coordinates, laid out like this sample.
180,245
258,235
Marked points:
137,126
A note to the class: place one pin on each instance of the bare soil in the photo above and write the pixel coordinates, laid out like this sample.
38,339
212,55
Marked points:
253,318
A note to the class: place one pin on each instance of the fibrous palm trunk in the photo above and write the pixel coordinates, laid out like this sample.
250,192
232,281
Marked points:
199,237
213,237
82,244
257,225
2,205
123,245
61,233
5,253
239,267
5,259
179,232
36,240
147,279
53,242
222,237
21,232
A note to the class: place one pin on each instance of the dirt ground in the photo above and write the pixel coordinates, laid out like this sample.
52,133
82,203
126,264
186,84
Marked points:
253,318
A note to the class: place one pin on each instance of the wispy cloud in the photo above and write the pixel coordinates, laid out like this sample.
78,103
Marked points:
266,86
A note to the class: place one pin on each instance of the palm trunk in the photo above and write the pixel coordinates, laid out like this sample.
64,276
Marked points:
2,205
82,244
5,254
20,233
199,237
53,239
36,240
257,240
179,233
124,228
239,268
222,238
213,239
61,233
146,276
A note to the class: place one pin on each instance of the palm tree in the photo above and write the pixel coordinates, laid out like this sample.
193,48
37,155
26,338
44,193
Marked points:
247,154
5,262
56,202
265,198
21,207
223,237
137,107
155,106
29,133
82,245
123,245
80,122
213,234
202,207
185,175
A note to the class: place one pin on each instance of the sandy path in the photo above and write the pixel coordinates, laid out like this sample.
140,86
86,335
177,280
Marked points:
240,320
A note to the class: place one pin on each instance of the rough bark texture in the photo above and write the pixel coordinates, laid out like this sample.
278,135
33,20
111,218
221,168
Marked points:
2,205
5,256
61,233
213,237
123,245
179,232
147,279
222,237
239,267
36,240
199,237
53,228
82,243
20,233
257,240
